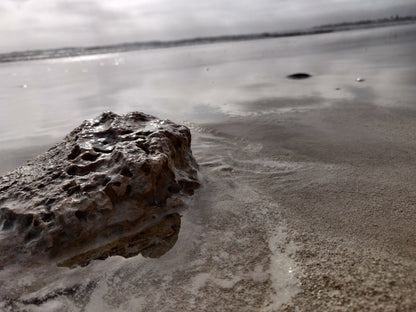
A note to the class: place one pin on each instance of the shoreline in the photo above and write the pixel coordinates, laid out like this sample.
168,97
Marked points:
71,52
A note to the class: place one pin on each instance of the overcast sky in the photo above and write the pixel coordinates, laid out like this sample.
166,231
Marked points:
40,24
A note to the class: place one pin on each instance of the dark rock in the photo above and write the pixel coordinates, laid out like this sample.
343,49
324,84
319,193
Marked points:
299,76
113,186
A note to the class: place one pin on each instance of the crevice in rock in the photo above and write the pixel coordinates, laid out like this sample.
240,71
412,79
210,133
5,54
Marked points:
74,152
90,156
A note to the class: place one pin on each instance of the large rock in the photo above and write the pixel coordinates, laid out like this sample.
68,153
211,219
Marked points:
114,185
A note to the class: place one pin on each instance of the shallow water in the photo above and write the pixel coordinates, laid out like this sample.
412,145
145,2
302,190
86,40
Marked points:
233,249
41,101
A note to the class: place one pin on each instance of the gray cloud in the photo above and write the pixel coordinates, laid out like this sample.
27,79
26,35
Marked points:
30,24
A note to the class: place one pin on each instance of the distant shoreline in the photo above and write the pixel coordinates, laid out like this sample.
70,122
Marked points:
30,55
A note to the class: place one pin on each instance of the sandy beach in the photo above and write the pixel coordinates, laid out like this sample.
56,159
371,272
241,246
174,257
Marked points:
308,197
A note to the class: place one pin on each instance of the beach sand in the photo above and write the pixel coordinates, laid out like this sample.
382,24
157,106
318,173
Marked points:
350,202
308,196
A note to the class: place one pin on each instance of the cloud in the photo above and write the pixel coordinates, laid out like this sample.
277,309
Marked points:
30,24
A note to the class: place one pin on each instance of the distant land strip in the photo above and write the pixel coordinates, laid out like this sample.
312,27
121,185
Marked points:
132,46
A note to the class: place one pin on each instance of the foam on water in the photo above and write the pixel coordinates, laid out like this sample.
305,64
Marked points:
283,270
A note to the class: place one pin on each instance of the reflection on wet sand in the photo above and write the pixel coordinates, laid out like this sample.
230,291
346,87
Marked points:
153,242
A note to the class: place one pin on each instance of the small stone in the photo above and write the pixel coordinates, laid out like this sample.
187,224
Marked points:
297,76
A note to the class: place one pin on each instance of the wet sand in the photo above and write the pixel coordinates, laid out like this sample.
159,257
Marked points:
308,196
350,203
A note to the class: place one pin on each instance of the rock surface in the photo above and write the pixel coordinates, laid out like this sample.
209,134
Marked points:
113,186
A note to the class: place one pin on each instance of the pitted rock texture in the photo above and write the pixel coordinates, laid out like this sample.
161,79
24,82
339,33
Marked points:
111,177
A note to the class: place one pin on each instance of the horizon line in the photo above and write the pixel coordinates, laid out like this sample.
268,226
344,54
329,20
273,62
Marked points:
74,51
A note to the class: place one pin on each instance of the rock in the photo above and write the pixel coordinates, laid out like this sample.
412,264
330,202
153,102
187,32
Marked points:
299,76
113,186
359,79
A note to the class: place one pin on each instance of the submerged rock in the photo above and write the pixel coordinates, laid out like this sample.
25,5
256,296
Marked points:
299,76
113,186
